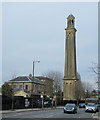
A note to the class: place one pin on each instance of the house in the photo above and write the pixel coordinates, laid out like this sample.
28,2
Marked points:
27,85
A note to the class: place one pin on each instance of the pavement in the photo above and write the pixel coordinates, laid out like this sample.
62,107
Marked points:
97,115
27,109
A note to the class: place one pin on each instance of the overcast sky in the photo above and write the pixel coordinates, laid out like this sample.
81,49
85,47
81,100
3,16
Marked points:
36,31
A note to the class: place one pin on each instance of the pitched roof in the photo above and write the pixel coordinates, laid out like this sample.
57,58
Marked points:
27,79
20,79
42,77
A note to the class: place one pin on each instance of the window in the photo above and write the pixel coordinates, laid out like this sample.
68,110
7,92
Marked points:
37,86
69,22
20,86
72,21
14,86
26,87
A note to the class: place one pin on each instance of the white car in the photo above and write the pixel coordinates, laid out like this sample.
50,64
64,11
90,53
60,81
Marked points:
91,107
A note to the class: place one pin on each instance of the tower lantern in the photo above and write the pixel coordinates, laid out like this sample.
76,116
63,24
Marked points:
70,21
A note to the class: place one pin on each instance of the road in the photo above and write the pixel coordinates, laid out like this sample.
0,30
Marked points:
50,113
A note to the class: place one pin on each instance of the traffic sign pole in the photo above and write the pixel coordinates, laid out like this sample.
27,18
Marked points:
42,99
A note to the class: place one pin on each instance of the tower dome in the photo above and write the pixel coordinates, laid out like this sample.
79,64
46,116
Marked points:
70,17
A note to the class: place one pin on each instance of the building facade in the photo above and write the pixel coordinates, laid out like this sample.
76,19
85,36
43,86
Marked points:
70,74
49,85
25,86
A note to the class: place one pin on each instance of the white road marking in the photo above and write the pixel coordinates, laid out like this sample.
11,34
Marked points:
95,115
49,116
92,114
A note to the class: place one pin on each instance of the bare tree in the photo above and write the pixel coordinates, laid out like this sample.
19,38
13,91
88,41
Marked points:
13,75
57,77
79,90
96,71
57,85
87,88
83,89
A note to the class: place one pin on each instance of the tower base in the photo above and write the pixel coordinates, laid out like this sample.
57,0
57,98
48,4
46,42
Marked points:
69,89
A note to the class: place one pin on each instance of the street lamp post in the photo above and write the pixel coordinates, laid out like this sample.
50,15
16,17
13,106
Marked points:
33,80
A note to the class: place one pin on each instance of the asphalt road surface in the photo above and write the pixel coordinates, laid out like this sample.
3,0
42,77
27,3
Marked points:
50,113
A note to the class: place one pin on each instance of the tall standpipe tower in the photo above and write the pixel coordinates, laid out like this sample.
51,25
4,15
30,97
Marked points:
70,75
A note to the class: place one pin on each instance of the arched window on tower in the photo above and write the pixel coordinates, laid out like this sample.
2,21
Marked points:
69,22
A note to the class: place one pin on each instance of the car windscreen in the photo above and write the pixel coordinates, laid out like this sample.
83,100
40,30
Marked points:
90,104
70,105
82,104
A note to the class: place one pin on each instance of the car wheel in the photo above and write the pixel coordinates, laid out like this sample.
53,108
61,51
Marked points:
64,111
74,112
94,111
97,110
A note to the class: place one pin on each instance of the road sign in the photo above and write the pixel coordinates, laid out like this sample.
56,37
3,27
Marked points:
41,95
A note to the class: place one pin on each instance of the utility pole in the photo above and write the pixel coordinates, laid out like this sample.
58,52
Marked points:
33,80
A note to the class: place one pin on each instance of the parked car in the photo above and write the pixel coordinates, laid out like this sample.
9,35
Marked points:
70,108
91,107
82,105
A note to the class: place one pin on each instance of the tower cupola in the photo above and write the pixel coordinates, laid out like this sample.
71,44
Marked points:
70,21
